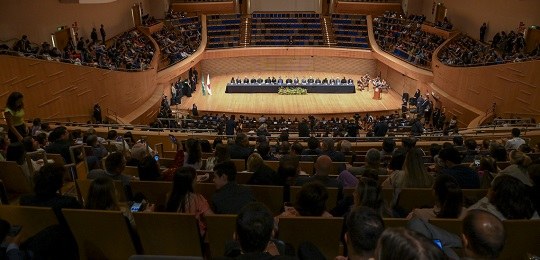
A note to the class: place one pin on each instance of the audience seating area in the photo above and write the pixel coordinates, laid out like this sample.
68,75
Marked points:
223,30
178,39
404,38
465,51
297,29
350,30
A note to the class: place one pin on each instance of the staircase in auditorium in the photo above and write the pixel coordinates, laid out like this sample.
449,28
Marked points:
245,31
328,32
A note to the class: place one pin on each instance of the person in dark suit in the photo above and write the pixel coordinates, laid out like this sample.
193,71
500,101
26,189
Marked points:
253,80
318,81
232,80
229,197
240,149
280,80
246,80
350,81
325,81
238,80
332,81
268,80
260,80
304,81
296,81
323,168
310,80
344,81
288,81
273,80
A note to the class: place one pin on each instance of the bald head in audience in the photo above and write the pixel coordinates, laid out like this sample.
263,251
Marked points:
483,235
323,165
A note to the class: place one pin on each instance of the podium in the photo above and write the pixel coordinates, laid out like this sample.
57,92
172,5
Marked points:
376,93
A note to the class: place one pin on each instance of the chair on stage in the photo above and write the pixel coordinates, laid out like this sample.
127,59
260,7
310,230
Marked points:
101,234
168,233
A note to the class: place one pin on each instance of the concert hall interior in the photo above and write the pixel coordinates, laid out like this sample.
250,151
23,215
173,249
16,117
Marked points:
135,129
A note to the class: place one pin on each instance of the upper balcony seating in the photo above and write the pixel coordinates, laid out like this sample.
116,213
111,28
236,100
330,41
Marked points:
350,30
466,51
223,30
405,39
286,29
178,39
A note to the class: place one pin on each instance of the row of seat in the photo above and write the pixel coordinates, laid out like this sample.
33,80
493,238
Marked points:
284,26
106,233
223,31
285,15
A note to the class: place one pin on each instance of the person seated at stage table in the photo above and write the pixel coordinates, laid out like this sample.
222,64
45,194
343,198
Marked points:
280,80
273,80
253,80
288,81
232,80
332,81
350,81
304,81
246,80
344,81
310,80
296,81
268,80
325,81
260,80
238,80
318,81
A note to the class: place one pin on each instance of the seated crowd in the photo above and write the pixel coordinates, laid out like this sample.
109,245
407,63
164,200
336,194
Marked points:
179,38
403,37
466,51
130,51
454,170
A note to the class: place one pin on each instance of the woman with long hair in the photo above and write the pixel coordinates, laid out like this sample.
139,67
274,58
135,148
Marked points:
415,174
368,194
102,196
193,155
184,200
14,114
449,201
519,162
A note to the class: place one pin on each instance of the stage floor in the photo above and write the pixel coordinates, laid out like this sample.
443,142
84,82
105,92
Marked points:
273,104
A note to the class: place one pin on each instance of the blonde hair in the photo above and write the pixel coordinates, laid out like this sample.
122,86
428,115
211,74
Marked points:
519,158
415,173
254,162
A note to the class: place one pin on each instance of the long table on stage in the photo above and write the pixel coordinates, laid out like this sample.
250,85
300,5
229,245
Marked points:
273,88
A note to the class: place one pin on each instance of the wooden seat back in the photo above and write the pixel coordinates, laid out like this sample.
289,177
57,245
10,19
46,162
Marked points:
471,196
32,219
271,196
14,178
395,222
220,231
131,171
243,177
155,192
522,238
324,233
413,198
100,234
240,164
168,233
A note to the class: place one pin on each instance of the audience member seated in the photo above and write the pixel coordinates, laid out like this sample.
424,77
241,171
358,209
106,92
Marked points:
148,169
182,199
323,168
229,197
310,202
449,201
402,243
221,154
508,198
114,166
178,39
518,167
262,173
367,193
193,154
364,227
414,174
404,38
240,149
373,161
450,160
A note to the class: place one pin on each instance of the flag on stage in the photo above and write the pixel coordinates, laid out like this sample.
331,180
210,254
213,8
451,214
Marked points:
203,87
208,89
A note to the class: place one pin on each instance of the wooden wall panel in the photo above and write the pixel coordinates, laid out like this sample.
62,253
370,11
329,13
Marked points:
301,64
366,8
60,91
513,86
205,8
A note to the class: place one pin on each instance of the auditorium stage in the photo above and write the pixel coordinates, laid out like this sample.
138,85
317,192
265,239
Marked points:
298,105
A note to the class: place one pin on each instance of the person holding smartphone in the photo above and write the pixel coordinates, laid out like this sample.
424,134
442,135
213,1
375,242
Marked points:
11,239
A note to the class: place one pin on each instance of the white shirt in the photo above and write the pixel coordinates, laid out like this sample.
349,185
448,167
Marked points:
514,143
